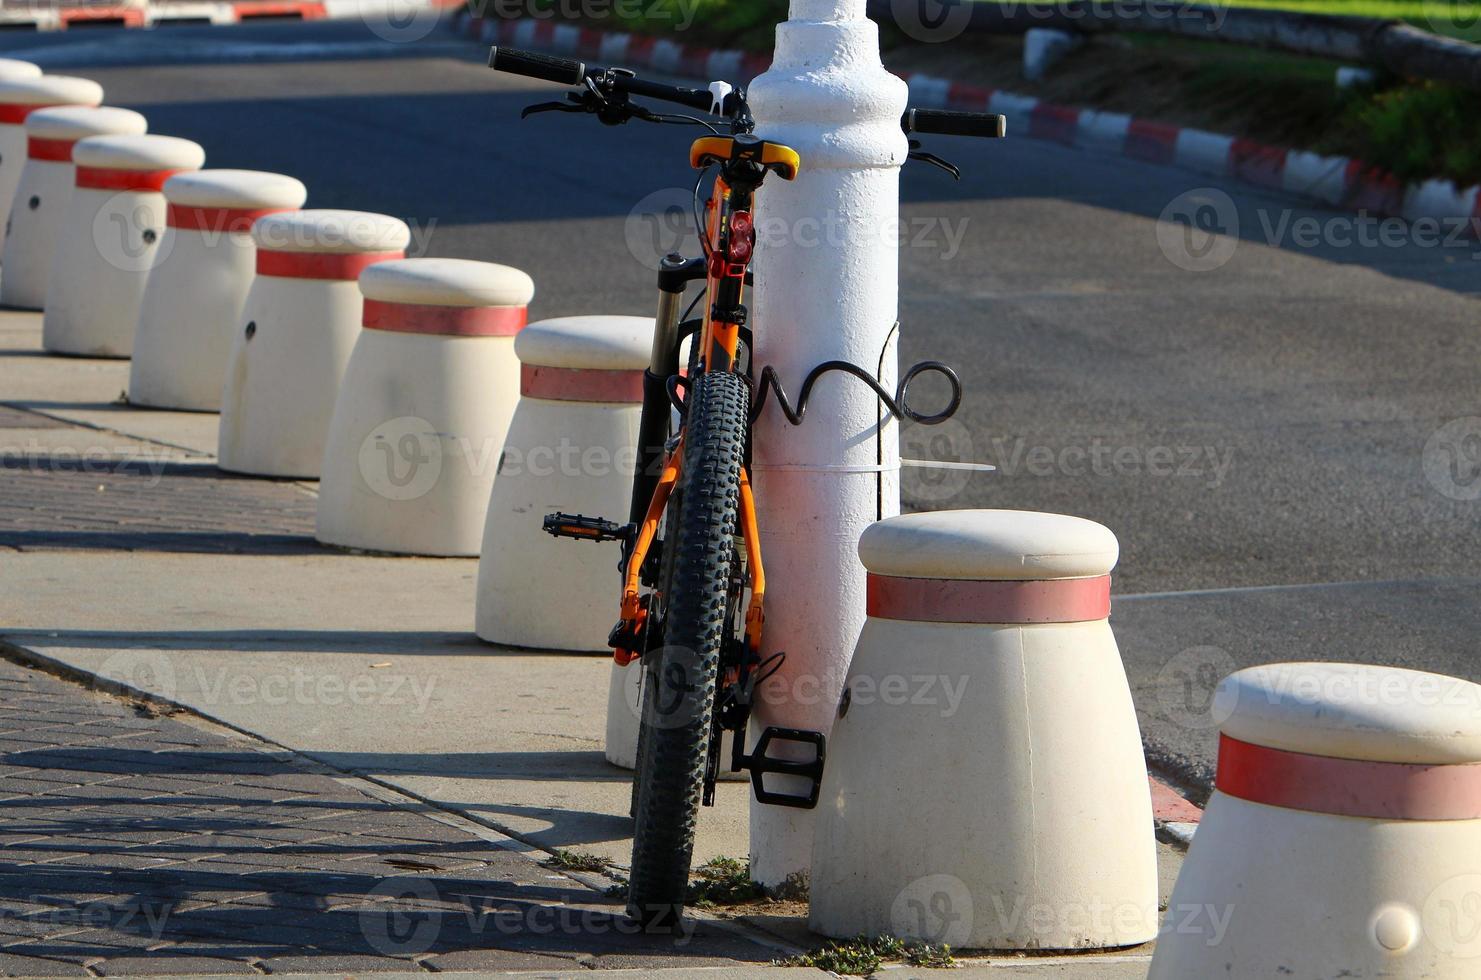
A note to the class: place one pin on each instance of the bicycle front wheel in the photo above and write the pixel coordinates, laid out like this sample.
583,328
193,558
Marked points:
679,699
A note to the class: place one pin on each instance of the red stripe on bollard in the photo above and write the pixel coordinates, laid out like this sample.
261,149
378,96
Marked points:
930,600
12,114
1348,787
319,265
108,179
55,151
1151,141
451,321
580,384
216,219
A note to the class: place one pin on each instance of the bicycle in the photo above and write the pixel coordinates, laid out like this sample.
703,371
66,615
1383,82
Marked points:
692,600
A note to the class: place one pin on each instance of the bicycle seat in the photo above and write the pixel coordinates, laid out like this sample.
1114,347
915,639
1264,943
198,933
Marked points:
779,159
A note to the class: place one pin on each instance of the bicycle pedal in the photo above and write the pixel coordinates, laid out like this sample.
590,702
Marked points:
759,764
585,528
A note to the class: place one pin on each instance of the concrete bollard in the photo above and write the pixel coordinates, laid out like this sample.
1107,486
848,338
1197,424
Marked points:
12,70
22,93
985,785
571,448
294,336
199,282
108,241
1343,838
423,408
45,187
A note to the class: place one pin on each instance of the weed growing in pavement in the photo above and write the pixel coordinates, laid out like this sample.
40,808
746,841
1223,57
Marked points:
724,881
861,956
576,861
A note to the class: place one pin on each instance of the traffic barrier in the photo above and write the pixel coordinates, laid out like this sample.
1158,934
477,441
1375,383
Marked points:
294,336
423,408
22,93
44,189
571,448
985,785
108,240
198,283
1343,837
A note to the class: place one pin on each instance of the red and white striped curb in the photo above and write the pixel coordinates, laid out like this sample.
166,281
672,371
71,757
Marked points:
1339,182
1173,814
203,12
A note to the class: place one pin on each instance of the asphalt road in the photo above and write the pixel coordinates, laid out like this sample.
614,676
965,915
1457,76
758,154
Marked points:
1268,437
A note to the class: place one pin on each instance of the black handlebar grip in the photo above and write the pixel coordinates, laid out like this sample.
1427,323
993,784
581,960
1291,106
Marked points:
563,71
944,122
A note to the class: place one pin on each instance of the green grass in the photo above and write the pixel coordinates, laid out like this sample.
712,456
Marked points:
723,881
576,861
862,956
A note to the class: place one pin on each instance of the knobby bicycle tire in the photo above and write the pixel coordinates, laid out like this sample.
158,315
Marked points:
678,708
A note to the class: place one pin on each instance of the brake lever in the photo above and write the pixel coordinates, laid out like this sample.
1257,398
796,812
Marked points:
916,153
530,110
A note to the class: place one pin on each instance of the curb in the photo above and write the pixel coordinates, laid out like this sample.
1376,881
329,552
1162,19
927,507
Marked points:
215,12
1338,182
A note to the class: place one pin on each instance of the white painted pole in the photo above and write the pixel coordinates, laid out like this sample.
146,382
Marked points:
827,274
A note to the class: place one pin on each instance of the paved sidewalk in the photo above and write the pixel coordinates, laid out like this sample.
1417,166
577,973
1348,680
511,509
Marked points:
160,846
135,844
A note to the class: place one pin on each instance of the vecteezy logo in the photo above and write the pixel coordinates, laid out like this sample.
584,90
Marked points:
1199,230
931,21
947,443
935,909
401,21
1186,685
401,459
661,223
129,236
1451,916
1452,459
392,928
1452,18
146,671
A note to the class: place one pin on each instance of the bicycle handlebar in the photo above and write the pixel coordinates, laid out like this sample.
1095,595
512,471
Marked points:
568,71
946,122
546,67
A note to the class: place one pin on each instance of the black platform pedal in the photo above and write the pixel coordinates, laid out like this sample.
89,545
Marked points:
585,528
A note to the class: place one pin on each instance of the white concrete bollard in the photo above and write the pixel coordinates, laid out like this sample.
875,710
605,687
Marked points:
985,784
45,188
294,336
22,93
827,96
1343,838
199,282
423,408
571,448
12,70
108,241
